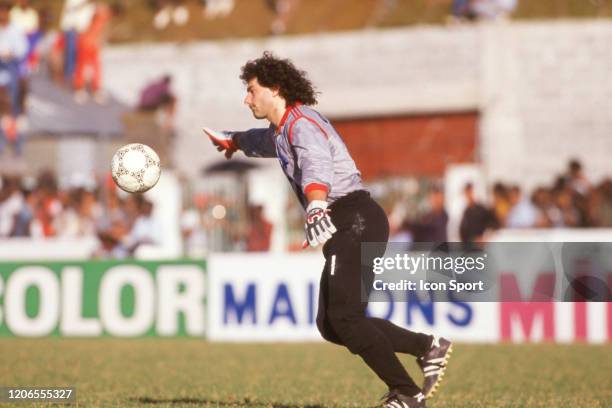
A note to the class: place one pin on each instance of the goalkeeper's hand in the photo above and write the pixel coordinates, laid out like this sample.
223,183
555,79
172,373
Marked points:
319,227
223,141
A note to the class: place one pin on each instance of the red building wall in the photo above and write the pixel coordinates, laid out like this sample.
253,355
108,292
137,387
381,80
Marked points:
415,145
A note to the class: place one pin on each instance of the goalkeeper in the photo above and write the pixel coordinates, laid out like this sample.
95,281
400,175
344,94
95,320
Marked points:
339,214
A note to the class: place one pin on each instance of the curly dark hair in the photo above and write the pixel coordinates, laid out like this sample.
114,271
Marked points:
272,72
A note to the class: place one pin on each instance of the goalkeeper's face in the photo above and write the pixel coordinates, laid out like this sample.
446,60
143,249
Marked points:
261,100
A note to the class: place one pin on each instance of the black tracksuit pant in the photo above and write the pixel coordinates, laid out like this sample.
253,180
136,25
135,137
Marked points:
341,318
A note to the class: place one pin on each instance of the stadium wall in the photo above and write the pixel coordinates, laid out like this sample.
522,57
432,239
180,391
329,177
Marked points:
540,97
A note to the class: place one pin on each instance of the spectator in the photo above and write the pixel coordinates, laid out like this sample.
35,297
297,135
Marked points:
482,9
476,220
170,11
570,217
603,213
523,214
49,48
50,205
594,206
501,203
88,56
402,236
11,202
80,214
260,231
13,48
218,8
157,96
146,229
576,179
111,242
163,14
112,212
66,222
112,226
76,18
89,211
432,226
283,10
25,17
491,9
25,222
131,207
548,215
180,14
461,9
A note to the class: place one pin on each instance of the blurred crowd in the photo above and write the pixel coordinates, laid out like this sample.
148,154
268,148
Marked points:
70,46
571,201
28,39
177,12
75,50
482,9
39,208
168,12
19,34
72,51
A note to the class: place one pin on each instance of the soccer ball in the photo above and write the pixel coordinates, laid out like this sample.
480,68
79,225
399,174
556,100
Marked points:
135,168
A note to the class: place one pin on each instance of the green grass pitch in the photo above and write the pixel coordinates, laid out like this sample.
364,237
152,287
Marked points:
174,373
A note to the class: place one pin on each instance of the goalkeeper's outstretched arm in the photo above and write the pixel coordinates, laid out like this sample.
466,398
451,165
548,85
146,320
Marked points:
253,142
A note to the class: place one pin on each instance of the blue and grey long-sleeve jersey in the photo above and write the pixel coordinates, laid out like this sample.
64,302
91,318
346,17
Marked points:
310,151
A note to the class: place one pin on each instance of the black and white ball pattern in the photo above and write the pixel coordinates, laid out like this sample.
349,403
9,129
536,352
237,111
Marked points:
135,168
